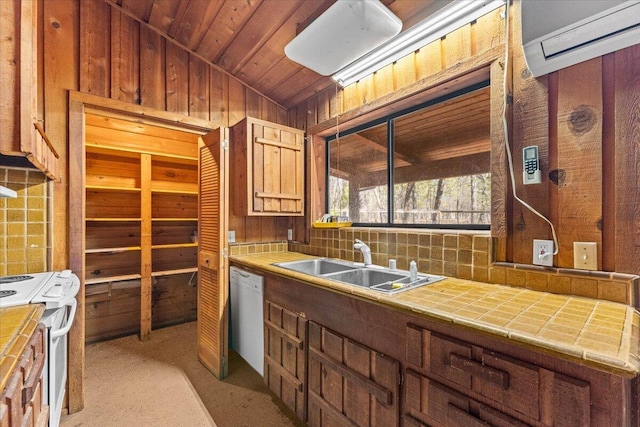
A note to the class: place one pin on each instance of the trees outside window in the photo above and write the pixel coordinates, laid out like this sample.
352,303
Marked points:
425,167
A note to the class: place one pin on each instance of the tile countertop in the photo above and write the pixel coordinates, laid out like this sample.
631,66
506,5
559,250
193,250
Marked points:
601,334
16,327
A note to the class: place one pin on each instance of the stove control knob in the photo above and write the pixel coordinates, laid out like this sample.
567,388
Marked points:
54,292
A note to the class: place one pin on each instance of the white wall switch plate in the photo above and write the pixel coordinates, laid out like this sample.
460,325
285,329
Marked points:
232,236
543,252
290,234
585,255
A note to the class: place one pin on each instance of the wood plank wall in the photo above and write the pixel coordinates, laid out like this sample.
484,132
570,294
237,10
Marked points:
95,48
585,120
121,58
92,47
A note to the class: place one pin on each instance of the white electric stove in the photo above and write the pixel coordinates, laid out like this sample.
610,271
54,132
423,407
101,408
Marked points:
57,291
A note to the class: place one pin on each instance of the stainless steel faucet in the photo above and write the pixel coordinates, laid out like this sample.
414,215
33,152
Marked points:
359,245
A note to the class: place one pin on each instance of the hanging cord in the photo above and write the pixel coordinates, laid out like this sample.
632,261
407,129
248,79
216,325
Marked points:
506,136
337,142
337,115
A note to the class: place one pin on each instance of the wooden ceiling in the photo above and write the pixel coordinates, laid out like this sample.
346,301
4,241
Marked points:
246,38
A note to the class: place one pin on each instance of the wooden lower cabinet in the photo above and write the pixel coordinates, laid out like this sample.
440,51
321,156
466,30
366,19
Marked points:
451,375
349,383
21,400
285,356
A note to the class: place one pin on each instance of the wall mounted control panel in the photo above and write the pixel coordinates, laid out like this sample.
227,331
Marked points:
531,165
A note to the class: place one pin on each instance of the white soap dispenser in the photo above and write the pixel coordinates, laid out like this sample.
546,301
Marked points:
413,271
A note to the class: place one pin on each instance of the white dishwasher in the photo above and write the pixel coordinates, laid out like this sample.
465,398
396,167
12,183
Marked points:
247,330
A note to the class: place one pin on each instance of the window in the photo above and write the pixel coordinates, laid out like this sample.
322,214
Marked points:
428,166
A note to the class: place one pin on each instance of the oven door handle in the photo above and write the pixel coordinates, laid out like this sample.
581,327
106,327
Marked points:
63,331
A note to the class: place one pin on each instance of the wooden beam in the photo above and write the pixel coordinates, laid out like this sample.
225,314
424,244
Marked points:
145,244
627,159
579,158
142,112
529,126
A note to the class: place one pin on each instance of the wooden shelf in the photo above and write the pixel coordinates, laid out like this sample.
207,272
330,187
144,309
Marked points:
176,192
135,152
174,159
173,219
175,245
97,280
141,207
112,189
113,219
112,250
171,272
100,149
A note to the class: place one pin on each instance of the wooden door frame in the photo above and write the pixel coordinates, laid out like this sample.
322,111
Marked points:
78,104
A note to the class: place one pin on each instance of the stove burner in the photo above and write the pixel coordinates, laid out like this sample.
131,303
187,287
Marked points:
7,293
13,279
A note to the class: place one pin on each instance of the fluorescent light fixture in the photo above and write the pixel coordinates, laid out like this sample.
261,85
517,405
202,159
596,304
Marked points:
343,33
449,18
7,192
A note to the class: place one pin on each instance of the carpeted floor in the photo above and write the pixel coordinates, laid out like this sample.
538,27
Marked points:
161,383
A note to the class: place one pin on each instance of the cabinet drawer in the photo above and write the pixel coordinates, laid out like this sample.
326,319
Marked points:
503,379
429,403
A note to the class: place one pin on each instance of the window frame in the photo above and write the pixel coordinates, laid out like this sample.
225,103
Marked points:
389,121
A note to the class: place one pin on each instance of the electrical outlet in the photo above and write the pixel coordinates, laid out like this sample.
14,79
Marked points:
232,236
290,234
543,252
585,255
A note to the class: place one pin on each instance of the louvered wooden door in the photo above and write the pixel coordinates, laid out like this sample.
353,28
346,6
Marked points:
213,271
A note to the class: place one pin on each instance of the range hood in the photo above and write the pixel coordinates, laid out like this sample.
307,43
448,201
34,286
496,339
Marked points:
7,192
560,33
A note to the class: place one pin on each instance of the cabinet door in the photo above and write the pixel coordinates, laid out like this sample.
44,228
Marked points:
571,401
285,339
278,168
268,169
350,384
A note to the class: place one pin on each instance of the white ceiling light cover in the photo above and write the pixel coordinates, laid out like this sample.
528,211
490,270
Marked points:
342,34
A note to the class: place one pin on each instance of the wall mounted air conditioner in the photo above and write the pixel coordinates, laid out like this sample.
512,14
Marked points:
560,33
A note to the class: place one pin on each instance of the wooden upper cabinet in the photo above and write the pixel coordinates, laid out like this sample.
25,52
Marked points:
21,112
268,169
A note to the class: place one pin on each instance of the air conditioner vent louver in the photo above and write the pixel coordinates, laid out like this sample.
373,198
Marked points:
557,34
